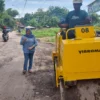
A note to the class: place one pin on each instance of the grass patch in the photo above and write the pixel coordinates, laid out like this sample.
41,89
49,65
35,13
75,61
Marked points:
45,32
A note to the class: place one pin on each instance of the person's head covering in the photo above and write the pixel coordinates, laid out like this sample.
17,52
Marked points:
77,1
29,35
28,29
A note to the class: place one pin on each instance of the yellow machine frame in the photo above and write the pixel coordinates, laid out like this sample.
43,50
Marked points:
77,59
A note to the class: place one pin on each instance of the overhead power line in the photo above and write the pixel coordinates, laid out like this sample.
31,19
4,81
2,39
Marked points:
24,6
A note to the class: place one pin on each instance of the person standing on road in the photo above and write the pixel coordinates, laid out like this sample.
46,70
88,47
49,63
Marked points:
29,42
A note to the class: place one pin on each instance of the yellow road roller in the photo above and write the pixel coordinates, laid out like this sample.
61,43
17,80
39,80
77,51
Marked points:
78,58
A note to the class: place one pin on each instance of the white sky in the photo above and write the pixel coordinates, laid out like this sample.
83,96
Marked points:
33,5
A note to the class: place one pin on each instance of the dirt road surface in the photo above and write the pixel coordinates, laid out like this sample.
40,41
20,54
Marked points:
39,85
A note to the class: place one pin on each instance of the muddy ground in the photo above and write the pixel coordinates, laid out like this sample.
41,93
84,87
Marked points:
39,85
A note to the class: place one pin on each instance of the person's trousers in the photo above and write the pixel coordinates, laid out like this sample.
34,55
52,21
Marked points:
28,58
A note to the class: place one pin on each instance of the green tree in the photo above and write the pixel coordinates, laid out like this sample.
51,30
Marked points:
12,13
95,18
7,20
22,21
27,18
41,18
2,5
7,17
33,22
58,11
53,21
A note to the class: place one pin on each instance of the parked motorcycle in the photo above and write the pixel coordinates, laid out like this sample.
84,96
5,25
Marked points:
5,34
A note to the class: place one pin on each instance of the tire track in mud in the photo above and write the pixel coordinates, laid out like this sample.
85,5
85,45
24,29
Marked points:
5,61
8,51
43,82
89,89
2,45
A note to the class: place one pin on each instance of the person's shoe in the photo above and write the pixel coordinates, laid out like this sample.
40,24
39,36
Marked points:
30,71
24,71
